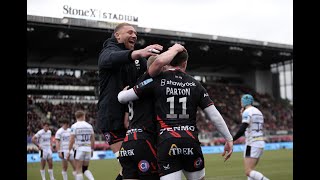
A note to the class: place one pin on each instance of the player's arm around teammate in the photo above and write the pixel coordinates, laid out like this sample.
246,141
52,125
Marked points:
155,69
164,59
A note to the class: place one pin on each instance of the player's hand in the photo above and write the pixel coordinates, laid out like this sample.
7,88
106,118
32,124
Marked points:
228,149
68,155
60,155
39,147
177,47
125,88
146,52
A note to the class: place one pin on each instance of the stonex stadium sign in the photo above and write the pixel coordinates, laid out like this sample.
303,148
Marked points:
98,14
94,10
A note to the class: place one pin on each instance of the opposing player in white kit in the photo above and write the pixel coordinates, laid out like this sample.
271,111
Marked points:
42,139
252,125
82,135
62,143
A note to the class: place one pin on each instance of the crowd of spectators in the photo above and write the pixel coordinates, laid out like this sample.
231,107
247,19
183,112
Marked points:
66,110
33,120
88,78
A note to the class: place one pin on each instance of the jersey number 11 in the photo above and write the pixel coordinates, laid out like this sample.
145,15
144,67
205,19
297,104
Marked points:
184,114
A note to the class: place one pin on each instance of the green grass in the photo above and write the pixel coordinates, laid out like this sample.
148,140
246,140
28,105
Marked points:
276,165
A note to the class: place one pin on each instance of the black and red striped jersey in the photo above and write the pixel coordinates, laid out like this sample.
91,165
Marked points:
142,123
177,96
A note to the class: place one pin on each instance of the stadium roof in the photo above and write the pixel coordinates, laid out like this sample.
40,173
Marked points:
74,43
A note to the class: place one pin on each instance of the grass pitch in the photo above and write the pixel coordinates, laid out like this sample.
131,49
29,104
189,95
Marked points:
276,164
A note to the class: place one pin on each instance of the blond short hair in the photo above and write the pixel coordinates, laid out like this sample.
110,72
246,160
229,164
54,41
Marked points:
119,26
79,114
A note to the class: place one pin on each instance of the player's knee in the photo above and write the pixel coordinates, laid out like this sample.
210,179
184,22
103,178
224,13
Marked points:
84,168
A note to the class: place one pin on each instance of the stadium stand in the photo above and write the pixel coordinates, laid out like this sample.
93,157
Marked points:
87,78
62,74
278,114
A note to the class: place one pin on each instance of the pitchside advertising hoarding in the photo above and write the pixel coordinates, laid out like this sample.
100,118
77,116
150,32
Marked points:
98,155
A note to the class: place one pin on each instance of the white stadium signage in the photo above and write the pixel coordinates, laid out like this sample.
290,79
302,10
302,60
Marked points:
98,14
79,9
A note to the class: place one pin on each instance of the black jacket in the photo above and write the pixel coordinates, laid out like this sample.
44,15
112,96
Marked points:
116,70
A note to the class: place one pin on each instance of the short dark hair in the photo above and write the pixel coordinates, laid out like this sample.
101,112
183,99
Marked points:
180,58
119,26
64,121
45,123
79,114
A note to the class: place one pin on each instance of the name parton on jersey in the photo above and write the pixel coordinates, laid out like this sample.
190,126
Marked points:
178,91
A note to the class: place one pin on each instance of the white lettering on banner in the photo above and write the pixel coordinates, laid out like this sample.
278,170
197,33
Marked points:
98,14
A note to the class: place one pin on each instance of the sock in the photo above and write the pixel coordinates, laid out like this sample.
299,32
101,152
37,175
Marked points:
64,175
257,175
50,171
84,168
116,154
119,177
43,174
79,177
74,173
89,175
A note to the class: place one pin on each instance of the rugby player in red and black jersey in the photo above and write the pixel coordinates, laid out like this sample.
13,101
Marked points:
119,65
138,153
177,96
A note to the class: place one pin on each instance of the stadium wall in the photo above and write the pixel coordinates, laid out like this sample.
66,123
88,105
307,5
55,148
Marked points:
98,155
259,80
249,79
263,82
